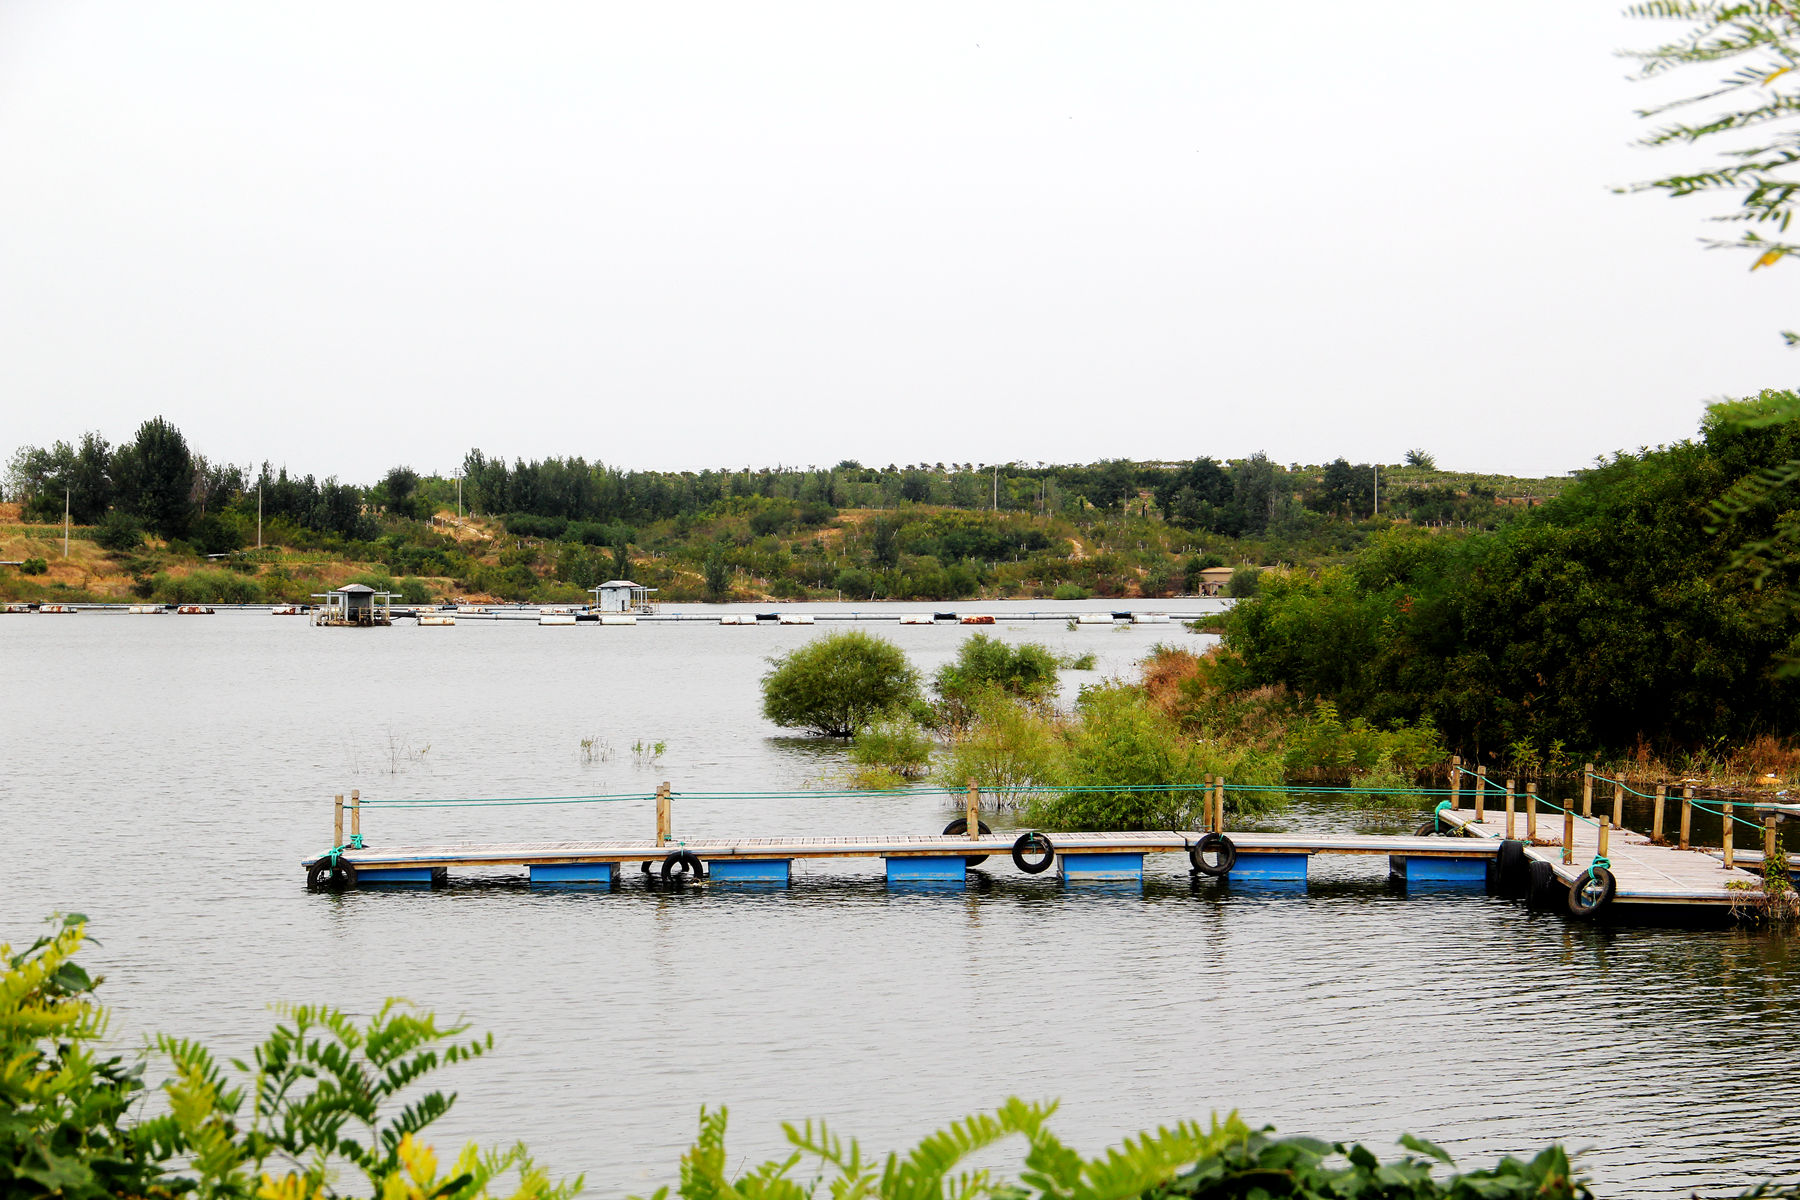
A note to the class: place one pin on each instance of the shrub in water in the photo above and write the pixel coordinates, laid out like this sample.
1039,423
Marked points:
892,747
838,683
1026,672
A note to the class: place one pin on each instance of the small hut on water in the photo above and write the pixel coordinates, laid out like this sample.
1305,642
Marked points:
622,596
354,604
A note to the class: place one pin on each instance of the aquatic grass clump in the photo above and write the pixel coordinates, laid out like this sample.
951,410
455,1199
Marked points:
889,752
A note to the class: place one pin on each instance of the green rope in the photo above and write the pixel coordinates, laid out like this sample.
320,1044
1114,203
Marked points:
503,801
1698,803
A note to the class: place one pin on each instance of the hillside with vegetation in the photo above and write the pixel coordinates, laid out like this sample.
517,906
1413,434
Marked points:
152,519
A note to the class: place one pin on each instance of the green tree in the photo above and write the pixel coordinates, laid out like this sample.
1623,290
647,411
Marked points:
401,485
839,683
154,474
717,572
1421,459
119,532
1748,109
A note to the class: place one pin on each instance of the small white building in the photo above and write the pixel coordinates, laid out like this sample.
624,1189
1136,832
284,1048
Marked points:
354,604
622,596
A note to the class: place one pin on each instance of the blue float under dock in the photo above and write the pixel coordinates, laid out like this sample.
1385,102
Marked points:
913,869
410,875
602,874
1414,870
751,870
1265,867
1101,867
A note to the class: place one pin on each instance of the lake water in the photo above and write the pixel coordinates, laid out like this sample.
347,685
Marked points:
166,775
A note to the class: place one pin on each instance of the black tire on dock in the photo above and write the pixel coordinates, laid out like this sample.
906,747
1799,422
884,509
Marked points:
1593,890
1224,853
1029,843
961,825
1510,865
326,875
685,862
1540,890
1428,829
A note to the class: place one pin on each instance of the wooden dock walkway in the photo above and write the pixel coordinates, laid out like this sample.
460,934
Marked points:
1648,873
1468,848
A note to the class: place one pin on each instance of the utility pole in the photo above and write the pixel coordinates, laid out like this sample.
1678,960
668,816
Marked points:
996,489
459,497
65,520
259,513
1377,469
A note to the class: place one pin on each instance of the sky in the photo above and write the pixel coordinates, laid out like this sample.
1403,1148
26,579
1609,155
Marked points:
343,237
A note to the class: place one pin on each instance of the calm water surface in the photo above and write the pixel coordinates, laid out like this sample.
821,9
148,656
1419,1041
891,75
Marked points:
166,775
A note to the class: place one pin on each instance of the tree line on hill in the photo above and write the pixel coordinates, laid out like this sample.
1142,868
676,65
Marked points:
1637,613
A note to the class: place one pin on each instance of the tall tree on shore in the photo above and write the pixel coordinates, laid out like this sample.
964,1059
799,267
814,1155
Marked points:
154,475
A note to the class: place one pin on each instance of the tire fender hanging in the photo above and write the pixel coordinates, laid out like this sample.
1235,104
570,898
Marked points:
1217,844
1029,843
683,862
1592,891
331,874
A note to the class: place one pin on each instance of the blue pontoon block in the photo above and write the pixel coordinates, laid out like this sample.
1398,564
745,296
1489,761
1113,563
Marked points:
749,870
1102,867
1434,870
1269,868
427,875
601,873
944,869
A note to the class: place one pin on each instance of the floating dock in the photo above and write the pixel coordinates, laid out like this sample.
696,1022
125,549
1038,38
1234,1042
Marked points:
946,857
1647,873
1556,858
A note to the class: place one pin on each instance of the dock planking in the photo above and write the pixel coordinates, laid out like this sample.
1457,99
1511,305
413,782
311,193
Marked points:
1469,848
1648,873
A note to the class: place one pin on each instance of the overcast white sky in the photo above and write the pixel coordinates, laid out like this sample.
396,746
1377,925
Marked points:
345,236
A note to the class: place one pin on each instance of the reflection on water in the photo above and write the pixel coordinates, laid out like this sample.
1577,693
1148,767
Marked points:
167,775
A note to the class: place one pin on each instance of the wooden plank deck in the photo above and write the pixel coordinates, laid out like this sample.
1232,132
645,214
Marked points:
1647,873
902,846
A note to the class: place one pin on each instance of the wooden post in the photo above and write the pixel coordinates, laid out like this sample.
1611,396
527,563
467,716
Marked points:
1219,805
1455,782
1206,804
1687,814
1768,838
972,824
1618,817
1729,822
1511,817
1587,790
355,814
337,821
1568,836
1480,794
1656,818
1531,812
665,817
1605,836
